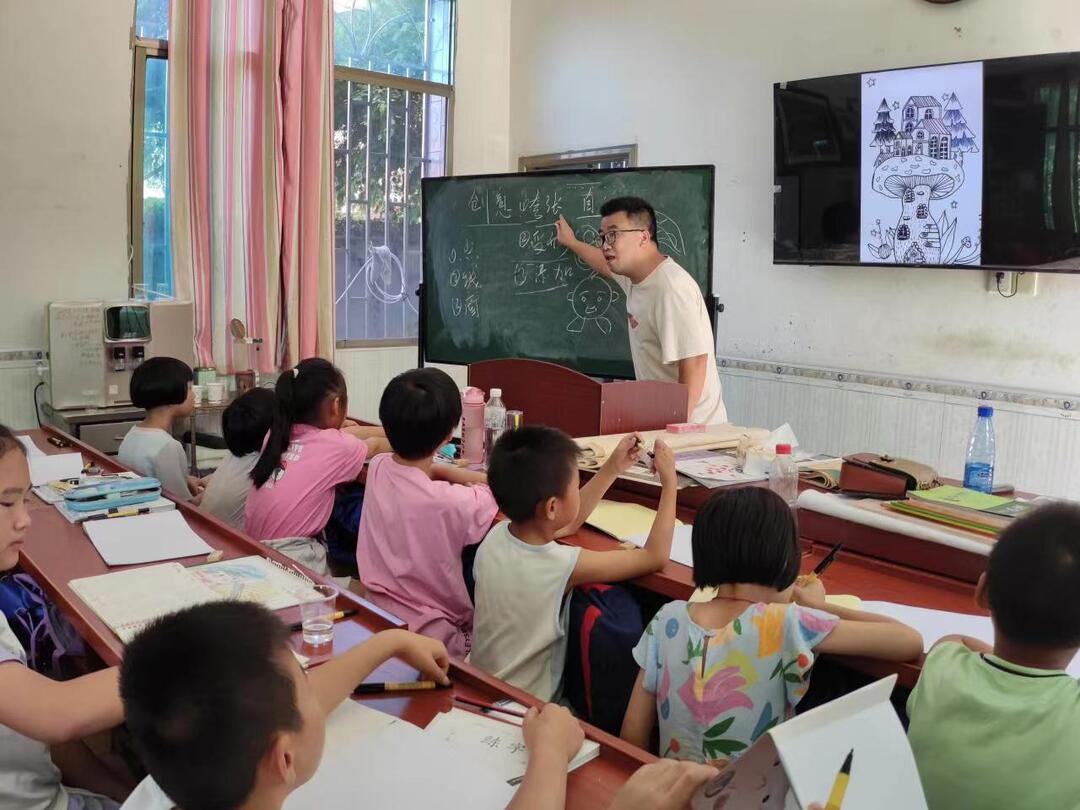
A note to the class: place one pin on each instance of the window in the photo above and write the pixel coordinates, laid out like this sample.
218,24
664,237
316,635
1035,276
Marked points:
921,211
929,114
149,220
615,157
909,112
393,99
903,232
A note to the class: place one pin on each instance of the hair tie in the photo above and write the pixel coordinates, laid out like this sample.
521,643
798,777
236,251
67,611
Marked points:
296,372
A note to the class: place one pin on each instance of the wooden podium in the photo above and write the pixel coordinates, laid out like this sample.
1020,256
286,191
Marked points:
557,396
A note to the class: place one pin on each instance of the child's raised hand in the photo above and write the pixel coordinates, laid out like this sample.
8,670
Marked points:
664,463
626,454
554,727
809,591
426,654
564,234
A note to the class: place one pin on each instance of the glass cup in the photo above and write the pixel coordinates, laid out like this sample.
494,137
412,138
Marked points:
215,393
199,392
316,616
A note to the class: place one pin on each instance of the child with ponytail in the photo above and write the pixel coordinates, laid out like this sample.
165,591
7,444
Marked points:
309,453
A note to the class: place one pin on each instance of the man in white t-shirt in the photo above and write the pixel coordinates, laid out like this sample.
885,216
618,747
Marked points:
671,339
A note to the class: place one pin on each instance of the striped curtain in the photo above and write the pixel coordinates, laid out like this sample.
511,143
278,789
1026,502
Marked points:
250,113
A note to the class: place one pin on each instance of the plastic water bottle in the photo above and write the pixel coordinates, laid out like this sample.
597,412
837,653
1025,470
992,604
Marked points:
979,466
494,419
472,425
784,475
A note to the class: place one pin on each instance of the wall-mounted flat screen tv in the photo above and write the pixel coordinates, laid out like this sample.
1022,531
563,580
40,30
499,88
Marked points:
965,165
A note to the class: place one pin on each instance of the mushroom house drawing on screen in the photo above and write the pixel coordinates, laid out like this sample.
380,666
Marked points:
921,166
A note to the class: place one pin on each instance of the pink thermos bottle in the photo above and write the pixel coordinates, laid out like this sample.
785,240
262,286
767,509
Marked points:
472,425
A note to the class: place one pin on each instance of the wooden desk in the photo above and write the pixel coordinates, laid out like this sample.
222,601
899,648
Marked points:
58,552
874,565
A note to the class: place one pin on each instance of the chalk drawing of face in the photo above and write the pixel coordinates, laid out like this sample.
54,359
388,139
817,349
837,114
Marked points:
590,300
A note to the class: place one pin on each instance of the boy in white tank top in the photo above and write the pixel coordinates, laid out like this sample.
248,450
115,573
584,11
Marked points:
523,576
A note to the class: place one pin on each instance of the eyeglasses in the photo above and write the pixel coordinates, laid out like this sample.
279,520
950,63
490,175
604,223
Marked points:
607,239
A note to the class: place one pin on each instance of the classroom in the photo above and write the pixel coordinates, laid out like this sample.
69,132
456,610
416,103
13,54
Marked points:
539,404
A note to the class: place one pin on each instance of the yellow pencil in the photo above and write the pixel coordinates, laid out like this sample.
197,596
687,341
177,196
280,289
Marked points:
836,797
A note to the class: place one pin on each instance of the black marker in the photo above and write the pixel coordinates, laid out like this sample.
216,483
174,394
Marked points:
827,560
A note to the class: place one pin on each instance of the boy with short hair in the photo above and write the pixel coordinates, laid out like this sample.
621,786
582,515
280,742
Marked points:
1000,727
420,516
162,387
224,718
244,424
524,578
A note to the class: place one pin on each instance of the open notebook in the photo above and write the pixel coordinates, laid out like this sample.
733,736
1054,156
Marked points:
129,600
497,745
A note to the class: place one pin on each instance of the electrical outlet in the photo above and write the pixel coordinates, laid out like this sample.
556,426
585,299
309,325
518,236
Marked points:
1010,283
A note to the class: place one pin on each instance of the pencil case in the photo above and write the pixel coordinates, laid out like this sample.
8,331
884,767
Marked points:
112,494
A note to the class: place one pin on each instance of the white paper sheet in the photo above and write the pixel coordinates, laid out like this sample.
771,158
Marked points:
45,468
31,448
935,624
681,550
370,761
499,745
145,538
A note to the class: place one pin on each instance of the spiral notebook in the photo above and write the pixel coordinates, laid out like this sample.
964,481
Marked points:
129,600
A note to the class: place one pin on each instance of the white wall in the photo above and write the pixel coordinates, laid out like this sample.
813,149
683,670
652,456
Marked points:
690,81
65,133
481,144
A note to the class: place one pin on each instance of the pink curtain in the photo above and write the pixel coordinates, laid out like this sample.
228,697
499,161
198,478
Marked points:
250,113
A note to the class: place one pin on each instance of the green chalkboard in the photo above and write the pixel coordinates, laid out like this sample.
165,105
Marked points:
497,284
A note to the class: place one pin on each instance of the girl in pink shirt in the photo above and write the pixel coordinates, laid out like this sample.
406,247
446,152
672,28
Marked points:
419,517
309,452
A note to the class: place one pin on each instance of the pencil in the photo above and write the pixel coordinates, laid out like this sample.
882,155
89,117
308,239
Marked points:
836,796
827,560
491,707
376,688
334,617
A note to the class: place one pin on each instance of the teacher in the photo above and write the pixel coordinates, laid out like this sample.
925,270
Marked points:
670,336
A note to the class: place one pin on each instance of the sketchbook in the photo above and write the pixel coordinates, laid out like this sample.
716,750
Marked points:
129,600
254,579
850,753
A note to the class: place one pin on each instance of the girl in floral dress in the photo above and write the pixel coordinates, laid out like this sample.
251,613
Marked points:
720,673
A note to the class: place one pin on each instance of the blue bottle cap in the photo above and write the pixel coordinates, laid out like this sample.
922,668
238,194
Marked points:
985,410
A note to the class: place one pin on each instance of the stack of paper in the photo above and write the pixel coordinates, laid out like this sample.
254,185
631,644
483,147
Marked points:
127,601
498,746
145,538
374,760
964,508
45,468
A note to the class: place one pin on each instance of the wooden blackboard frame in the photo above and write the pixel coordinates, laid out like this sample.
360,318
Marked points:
713,307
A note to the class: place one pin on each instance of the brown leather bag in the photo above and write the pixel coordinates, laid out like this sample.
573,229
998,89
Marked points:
876,476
